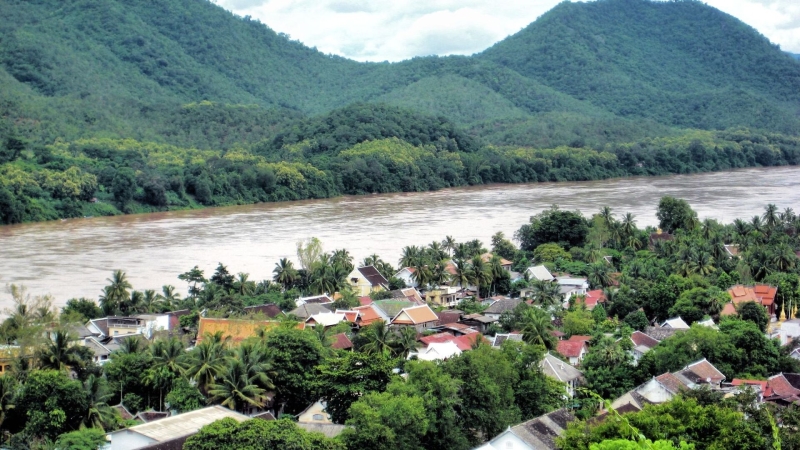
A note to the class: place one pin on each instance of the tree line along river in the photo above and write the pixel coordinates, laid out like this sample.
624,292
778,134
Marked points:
73,258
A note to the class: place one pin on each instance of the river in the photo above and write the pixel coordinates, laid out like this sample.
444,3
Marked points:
73,258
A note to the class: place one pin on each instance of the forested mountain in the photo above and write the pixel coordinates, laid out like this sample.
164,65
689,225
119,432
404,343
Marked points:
189,97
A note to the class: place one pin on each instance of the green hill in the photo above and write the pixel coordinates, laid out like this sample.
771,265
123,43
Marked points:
156,104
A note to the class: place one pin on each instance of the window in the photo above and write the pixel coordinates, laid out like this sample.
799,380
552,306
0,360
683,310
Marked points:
318,417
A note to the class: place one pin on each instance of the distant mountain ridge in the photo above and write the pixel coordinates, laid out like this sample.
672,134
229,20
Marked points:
659,64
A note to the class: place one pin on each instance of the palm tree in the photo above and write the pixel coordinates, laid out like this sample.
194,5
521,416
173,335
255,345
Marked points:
169,297
783,258
115,293
633,242
599,274
537,328
343,259
151,302
479,272
257,364
771,216
58,354
439,274
169,354
131,345
99,414
378,338
422,276
436,252
243,286
629,224
496,269
285,273
411,256
236,390
547,293
8,392
461,277
405,342
372,260
449,244
206,363
607,216
702,264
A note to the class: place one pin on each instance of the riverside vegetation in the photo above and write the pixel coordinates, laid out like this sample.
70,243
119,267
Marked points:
454,404
133,107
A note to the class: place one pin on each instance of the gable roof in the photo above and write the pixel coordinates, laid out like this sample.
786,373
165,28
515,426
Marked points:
659,333
467,341
307,310
766,390
182,424
558,369
437,351
415,315
438,337
327,319
368,314
499,338
270,310
237,329
781,387
675,323
373,276
486,257
579,338
640,338
390,308
591,298
541,432
571,349
540,272
314,299
341,342
702,372
671,383
760,293
501,306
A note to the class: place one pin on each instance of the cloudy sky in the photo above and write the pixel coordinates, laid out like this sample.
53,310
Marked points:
393,30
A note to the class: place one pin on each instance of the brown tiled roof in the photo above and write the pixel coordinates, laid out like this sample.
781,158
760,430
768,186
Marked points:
448,316
640,338
437,338
270,310
793,379
579,338
486,257
501,306
760,293
150,416
466,341
367,315
415,315
341,342
728,310
541,432
781,386
123,412
701,371
766,390
571,349
671,382
373,276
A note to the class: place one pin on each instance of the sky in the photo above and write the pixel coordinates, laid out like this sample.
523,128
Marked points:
394,30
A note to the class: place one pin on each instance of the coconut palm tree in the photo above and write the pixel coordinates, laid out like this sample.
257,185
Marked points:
343,259
411,256
461,277
607,216
285,273
496,269
117,292
258,366
372,260
771,216
449,244
435,251
99,414
243,286
599,274
378,338
58,354
235,390
547,293
151,302
169,297
422,276
405,342
537,328
170,354
783,258
479,272
206,362
629,224
130,345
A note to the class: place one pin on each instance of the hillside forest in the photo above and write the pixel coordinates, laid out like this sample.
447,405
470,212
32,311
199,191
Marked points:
140,106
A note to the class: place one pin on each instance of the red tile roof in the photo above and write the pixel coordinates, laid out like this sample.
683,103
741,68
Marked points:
781,387
448,317
766,390
341,342
579,338
671,382
640,338
366,300
466,341
728,310
760,293
437,338
702,371
592,298
571,349
367,314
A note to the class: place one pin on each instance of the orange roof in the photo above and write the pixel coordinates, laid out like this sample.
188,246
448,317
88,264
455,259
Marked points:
486,257
728,310
365,300
437,338
350,316
579,338
450,268
466,341
237,330
415,315
761,293
367,314
766,390
571,349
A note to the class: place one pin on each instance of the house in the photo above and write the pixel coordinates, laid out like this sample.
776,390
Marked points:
236,330
367,279
341,342
763,294
574,351
572,286
561,371
504,263
591,299
116,326
101,351
732,250
315,413
420,317
326,320
676,323
469,341
368,314
790,330
459,329
540,273
642,344
437,338
173,430
392,307
496,309
445,296
307,310
701,372
536,434
437,351
499,338
783,392
659,333
449,316
319,299
761,387
477,321
411,294
407,275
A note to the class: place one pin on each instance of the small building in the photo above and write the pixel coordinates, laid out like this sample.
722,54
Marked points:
477,321
366,280
762,294
642,344
174,430
341,342
407,275
561,371
307,310
314,299
499,338
536,434
591,299
572,286
326,320
540,273
574,351
444,296
496,309
504,263
437,351
315,413
676,323
420,317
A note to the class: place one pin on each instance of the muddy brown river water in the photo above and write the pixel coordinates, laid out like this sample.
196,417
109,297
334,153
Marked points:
73,258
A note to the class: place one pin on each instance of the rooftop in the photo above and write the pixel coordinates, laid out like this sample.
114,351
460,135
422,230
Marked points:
373,276
558,369
183,424
237,329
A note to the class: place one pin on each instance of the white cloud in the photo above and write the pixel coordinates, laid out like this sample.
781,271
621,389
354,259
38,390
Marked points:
379,30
